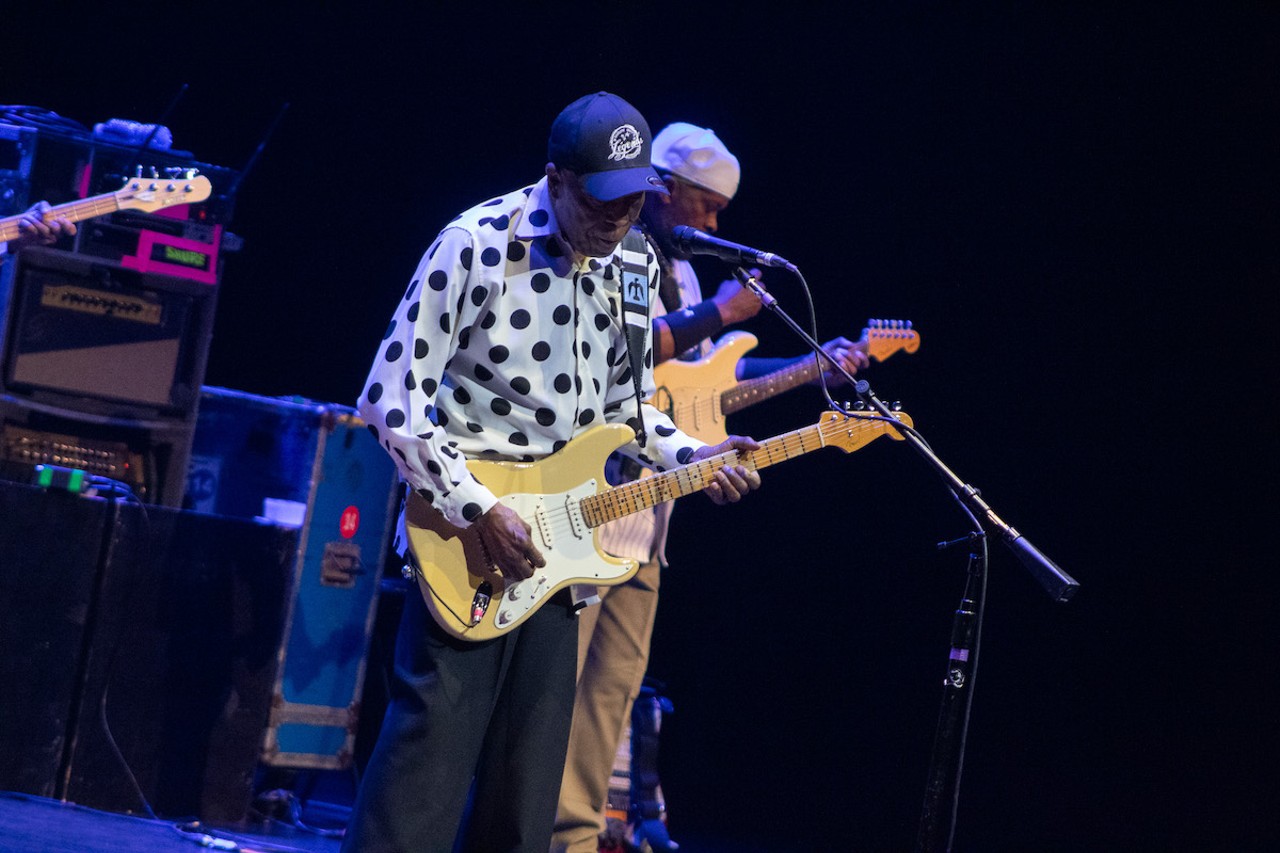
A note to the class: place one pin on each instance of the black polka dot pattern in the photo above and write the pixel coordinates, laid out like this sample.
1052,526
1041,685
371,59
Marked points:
500,349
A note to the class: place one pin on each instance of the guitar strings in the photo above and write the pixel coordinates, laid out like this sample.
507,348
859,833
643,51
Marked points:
557,521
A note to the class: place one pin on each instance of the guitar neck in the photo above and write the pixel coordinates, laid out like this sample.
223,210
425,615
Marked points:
882,339
647,492
74,211
752,391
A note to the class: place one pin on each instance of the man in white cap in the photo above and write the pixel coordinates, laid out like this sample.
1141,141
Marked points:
507,345
701,176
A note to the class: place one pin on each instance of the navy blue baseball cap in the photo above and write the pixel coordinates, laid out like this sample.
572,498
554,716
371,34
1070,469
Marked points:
605,141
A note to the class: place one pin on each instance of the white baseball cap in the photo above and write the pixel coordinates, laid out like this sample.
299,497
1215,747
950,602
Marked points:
698,156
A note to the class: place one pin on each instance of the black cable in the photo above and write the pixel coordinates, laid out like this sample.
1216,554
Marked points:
974,657
295,816
120,491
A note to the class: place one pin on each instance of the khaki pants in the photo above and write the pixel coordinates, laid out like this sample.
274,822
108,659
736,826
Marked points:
613,654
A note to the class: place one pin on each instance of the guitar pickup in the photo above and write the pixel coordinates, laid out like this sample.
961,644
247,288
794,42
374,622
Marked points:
573,509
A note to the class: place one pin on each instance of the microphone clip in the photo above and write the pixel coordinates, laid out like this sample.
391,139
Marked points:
753,284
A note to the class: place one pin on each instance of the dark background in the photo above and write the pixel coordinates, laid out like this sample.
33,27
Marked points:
1075,206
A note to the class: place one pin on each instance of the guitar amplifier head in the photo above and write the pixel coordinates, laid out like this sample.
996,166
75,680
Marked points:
89,336
157,243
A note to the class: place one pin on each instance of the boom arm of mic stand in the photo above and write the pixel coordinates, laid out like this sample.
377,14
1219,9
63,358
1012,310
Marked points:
766,299
1060,585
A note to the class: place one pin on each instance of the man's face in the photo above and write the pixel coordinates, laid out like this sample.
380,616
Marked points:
593,228
691,205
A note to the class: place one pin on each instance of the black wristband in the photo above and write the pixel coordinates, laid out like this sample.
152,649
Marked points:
689,326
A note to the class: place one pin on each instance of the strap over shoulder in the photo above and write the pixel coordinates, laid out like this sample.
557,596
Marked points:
635,313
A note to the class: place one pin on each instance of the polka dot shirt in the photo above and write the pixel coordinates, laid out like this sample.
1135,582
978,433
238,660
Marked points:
502,348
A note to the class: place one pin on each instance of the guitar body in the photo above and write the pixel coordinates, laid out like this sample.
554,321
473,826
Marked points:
690,392
564,499
699,395
466,595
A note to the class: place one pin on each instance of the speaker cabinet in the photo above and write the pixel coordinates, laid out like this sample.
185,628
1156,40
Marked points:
51,545
138,649
179,671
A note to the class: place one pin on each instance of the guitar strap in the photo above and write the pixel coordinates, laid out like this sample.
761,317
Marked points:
635,313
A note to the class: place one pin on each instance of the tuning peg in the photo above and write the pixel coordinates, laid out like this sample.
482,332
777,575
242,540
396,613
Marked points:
895,406
137,171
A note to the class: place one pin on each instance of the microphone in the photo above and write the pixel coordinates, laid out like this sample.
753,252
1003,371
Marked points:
696,242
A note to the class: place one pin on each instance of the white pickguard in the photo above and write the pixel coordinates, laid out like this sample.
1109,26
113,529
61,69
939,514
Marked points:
567,544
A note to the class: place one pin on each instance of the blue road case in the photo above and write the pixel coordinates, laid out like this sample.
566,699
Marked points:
314,465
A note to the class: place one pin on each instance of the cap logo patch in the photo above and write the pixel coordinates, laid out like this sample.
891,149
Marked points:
625,143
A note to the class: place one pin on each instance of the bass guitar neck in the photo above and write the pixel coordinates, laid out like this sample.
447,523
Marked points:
145,194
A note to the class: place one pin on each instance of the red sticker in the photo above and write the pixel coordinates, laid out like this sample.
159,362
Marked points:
349,523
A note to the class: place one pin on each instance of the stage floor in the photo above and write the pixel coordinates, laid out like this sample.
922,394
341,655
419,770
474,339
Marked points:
38,825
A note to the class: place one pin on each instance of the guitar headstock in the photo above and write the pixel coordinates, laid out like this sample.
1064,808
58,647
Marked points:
885,337
151,194
850,432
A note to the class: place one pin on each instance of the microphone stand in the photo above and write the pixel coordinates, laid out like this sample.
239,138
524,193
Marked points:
942,790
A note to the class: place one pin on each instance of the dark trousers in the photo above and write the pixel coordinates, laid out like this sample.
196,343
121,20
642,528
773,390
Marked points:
497,712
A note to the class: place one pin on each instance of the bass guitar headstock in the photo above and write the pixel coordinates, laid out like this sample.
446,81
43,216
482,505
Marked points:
150,194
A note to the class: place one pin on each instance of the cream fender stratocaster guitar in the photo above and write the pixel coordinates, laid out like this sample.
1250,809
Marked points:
145,194
698,395
564,499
